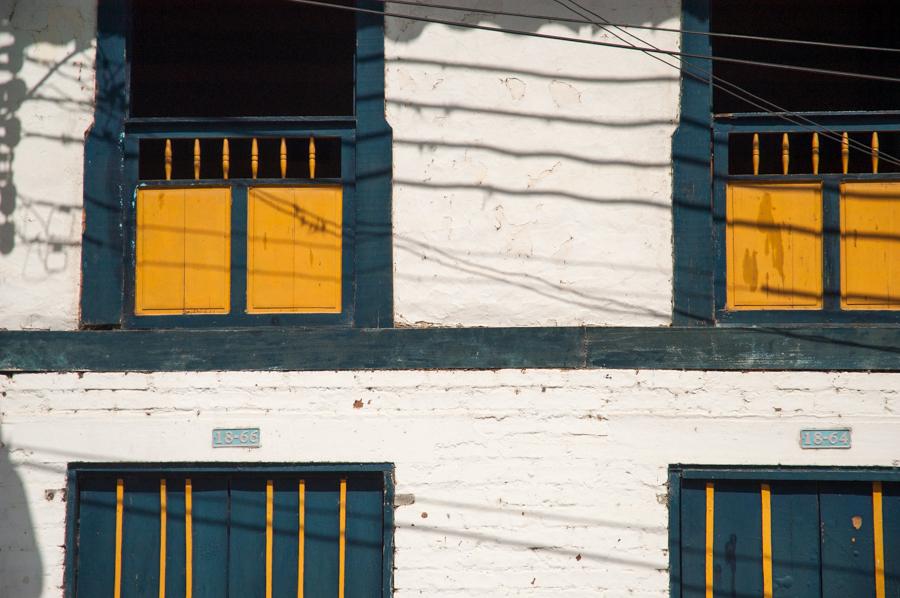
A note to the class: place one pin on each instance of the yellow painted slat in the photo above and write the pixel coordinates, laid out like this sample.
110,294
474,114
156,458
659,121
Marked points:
168,159
254,158
183,244
756,153
785,153
342,547
845,153
710,519
317,258
270,500
878,525
870,245
162,537
875,152
207,250
815,153
159,269
766,498
120,508
270,253
294,250
301,540
188,539
774,246
226,159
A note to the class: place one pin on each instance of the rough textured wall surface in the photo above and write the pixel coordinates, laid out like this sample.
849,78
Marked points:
46,93
550,483
531,177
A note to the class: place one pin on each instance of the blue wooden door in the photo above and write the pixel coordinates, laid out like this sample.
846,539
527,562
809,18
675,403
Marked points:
788,538
250,535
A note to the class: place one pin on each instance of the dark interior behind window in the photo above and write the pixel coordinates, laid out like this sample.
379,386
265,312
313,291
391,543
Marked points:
221,58
859,22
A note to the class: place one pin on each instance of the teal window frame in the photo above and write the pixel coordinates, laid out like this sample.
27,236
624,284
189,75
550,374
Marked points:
700,175
111,180
78,472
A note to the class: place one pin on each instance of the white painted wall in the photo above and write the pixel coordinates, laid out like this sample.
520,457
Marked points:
532,177
525,471
46,91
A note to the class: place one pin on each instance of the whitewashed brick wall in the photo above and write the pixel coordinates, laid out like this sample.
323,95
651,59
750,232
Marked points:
515,473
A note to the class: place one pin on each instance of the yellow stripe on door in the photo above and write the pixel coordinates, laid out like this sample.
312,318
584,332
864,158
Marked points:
766,497
162,537
878,525
710,516
270,500
342,550
120,507
188,540
301,515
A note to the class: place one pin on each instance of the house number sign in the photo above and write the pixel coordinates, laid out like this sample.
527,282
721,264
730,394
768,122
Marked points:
235,437
838,438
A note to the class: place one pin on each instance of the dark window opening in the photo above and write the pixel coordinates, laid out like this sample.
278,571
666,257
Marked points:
859,22
228,58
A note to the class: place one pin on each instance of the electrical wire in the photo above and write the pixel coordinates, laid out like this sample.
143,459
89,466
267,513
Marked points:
772,65
583,21
810,125
651,51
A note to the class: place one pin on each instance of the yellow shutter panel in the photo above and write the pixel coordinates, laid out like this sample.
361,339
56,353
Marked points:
294,249
183,251
774,246
870,245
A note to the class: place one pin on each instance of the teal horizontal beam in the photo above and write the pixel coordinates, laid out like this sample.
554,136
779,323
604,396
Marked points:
815,348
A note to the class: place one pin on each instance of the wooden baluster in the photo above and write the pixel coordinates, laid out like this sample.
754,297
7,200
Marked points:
283,158
845,152
875,152
785,153
254,158
312,157
815,153
225,159
756,153
168,159
196,159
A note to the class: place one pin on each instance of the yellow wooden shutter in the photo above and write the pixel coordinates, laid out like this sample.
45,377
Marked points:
183,246
870,245
294,249
774,246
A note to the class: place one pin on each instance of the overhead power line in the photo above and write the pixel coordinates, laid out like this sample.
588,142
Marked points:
740,93
652,51
772,65
583,21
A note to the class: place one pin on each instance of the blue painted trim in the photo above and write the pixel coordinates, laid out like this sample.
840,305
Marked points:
674,504
801,473
814,348
111,177
691,193
374,162
387,574
81,467
70,579
102,241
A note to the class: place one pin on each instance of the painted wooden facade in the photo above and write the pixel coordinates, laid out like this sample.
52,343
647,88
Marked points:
512,312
